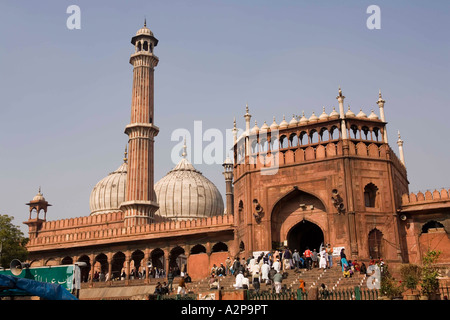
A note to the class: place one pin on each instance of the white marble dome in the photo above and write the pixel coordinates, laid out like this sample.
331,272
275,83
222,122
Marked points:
184,193
109,192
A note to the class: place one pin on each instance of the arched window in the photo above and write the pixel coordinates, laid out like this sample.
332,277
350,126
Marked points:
365,131
219,246
370,194
353,132
431,225
332,132
145,47
67,260
274,144
302,139
324,134
284,142
157,259
264,145
198,249
376,132
254,146
294,140
241,212
241,246
314,136
375,244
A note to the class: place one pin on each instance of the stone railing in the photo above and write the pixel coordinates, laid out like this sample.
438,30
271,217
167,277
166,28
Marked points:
428,196
74,233
82,221
319,151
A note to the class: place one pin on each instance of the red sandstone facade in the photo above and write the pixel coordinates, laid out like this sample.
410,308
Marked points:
329,180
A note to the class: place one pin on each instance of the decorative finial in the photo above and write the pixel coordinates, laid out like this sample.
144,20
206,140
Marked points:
125,159
39,192
380,98
145,21
184,154
246,107
399,137
234,123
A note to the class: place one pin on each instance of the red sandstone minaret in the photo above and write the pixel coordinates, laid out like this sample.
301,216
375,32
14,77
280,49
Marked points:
140,200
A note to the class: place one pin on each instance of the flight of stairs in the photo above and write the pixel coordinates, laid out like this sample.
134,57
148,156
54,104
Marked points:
332,278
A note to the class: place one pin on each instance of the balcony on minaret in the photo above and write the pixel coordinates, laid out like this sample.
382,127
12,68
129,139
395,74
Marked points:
144,43
36,205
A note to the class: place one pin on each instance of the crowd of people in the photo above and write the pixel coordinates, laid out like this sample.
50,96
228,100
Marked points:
270,267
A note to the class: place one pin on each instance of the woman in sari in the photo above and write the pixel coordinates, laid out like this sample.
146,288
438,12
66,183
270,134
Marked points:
344,262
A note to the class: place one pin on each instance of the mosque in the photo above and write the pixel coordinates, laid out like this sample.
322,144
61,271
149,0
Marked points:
331,178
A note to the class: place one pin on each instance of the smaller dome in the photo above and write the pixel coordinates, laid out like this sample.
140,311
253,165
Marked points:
334,114
313,118
144,30
255,129
283,124
39,196
264,127
109,192
274,125
293,122
228,160
361,114
303,119
324,115
349,113
373,116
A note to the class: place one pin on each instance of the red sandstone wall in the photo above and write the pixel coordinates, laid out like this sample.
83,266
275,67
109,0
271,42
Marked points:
196,265
200,265
436,241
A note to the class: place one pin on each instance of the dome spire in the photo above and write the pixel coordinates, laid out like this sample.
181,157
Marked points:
125,159
184,154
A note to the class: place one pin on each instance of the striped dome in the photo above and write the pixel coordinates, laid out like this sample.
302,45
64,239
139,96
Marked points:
109,192
184,193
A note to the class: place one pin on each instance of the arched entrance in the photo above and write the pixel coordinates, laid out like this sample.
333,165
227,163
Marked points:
305,234
291,221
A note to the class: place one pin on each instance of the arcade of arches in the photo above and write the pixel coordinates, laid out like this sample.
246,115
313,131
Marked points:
177,258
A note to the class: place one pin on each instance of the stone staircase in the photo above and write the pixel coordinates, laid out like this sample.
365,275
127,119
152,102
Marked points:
332,278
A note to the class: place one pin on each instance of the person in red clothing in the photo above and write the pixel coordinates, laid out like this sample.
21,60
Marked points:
308,255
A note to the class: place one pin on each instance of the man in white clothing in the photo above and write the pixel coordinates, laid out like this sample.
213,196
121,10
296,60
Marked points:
277,265
239,280
265,272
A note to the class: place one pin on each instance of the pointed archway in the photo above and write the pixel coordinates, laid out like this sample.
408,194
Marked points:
305,234
296,218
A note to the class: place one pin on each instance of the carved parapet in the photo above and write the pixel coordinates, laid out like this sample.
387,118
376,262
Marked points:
55,235
428,196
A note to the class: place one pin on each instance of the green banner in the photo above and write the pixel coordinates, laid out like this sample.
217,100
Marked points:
63,275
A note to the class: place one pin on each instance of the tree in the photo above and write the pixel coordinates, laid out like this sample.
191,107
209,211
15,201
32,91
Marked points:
430,273
12,242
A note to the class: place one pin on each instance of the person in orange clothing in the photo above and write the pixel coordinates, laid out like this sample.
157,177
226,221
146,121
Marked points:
308,256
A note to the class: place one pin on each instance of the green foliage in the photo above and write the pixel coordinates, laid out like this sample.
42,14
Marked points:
12,242
430,273
389,286
411,275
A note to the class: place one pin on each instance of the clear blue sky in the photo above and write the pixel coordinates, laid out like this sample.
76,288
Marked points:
65,94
